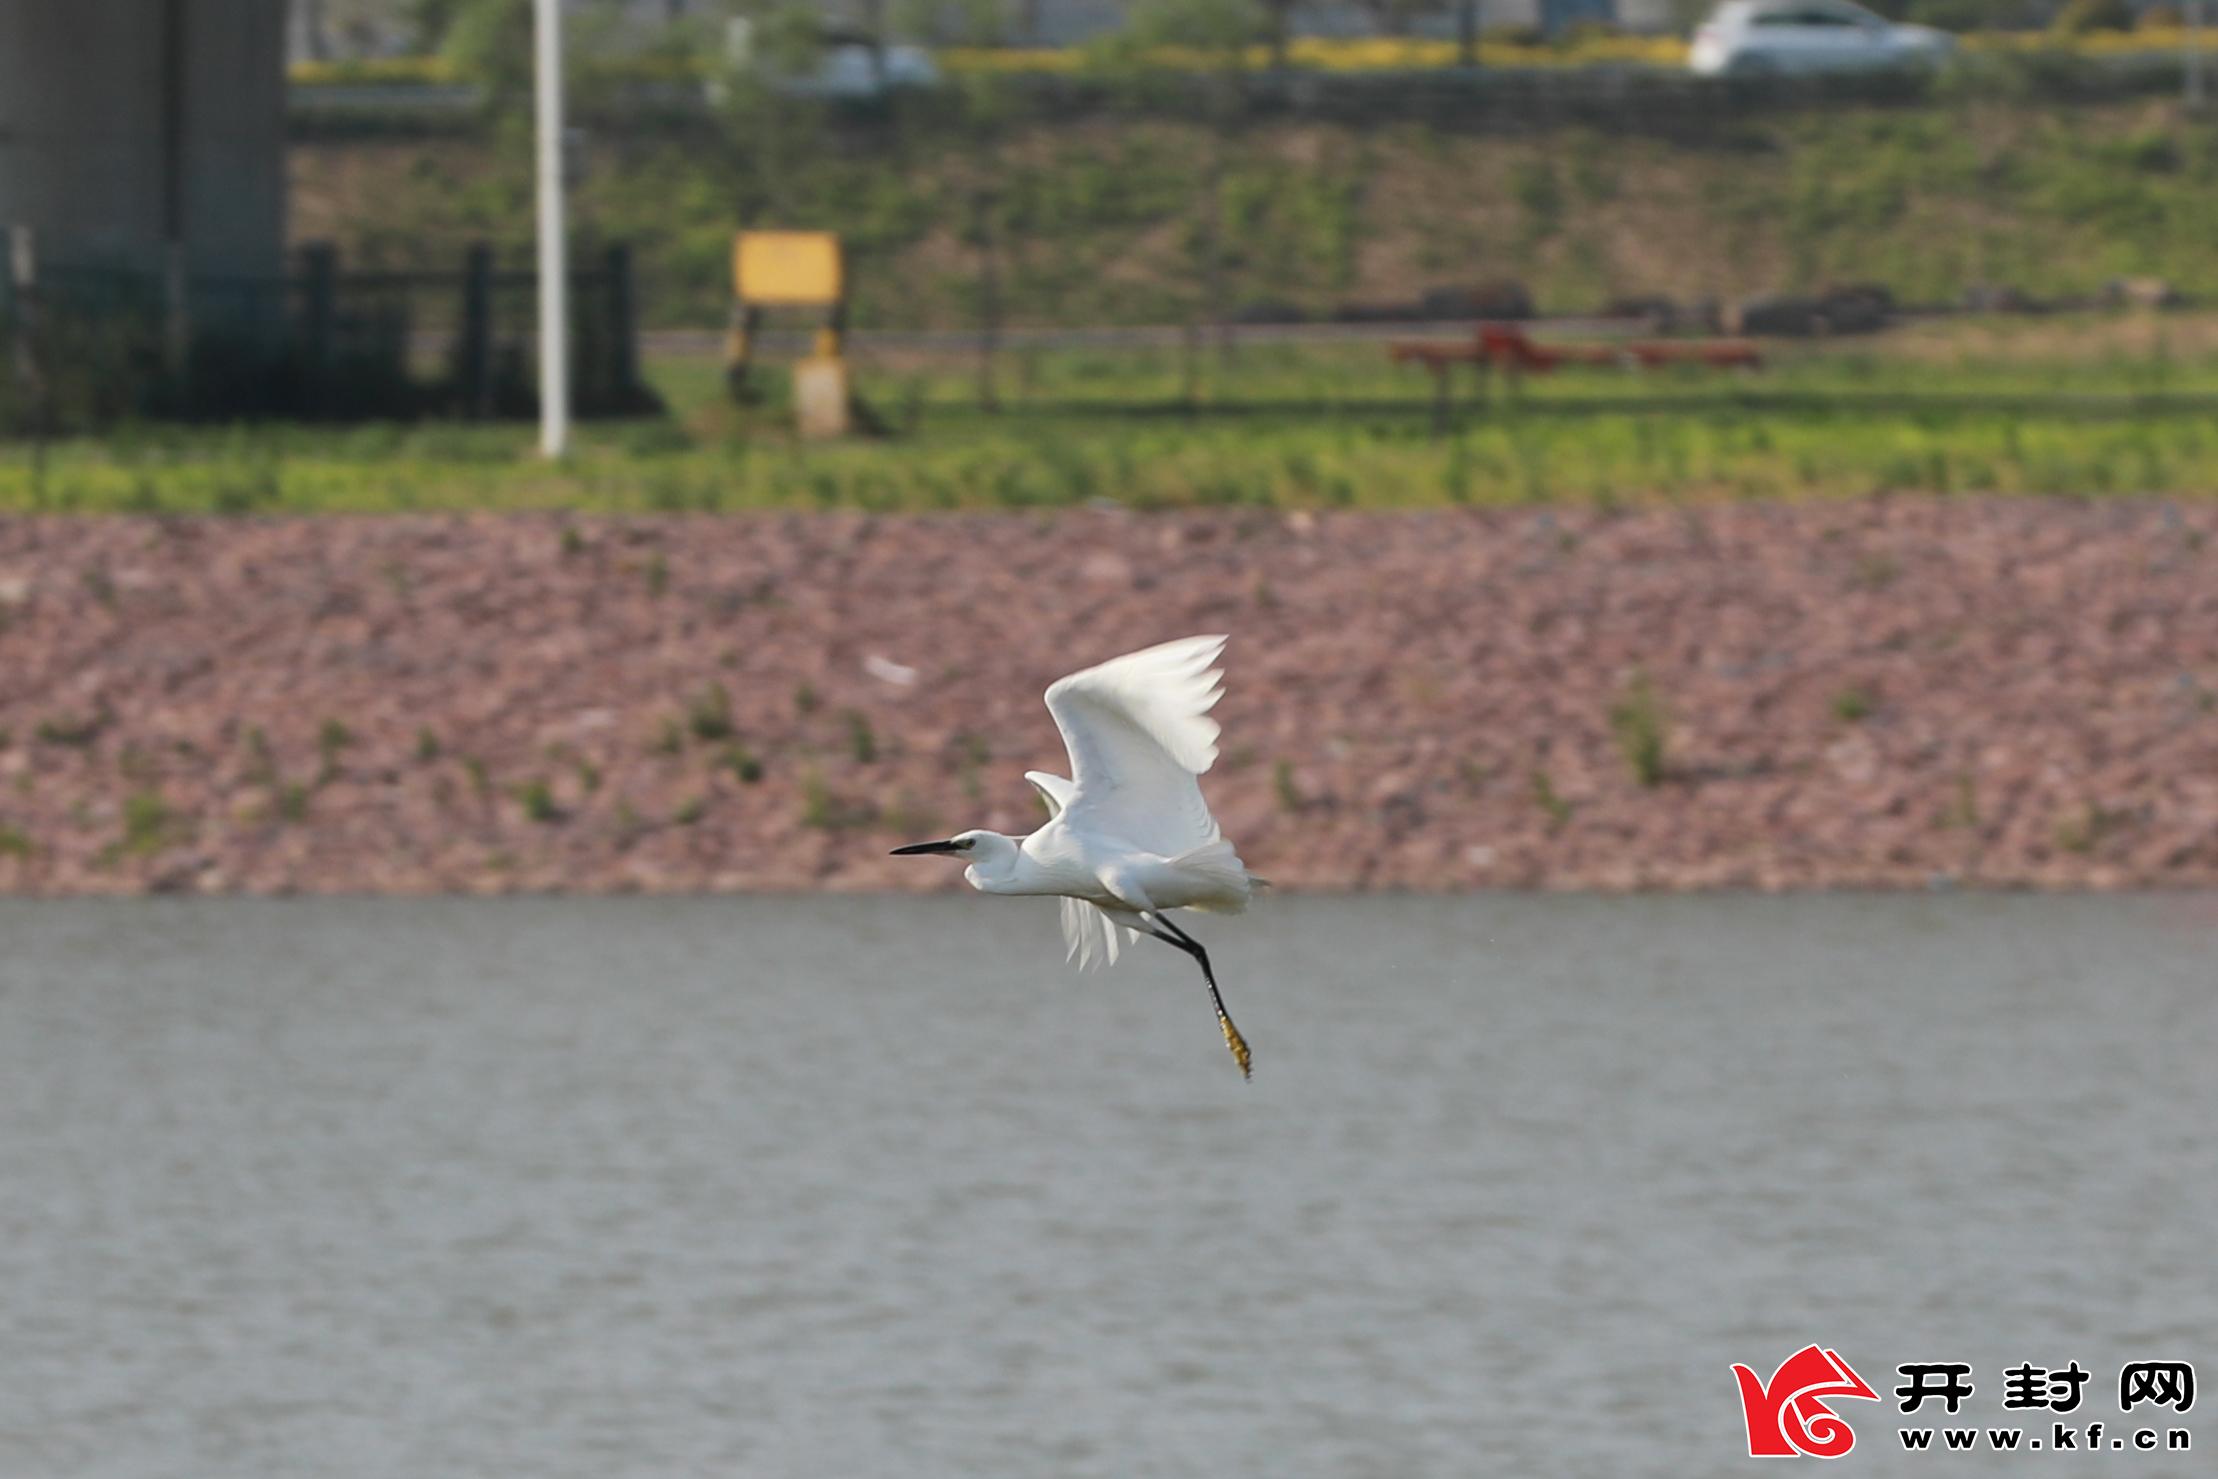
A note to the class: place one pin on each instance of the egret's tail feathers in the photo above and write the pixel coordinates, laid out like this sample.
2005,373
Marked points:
1226,882
1090,935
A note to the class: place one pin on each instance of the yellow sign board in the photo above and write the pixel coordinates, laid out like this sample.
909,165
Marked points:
788,268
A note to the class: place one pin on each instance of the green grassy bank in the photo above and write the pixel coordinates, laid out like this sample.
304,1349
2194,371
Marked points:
1106,219
2077,406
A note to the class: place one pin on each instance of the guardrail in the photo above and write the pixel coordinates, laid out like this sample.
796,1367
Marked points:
1630,93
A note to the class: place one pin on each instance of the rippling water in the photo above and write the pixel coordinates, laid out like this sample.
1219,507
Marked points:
861,1187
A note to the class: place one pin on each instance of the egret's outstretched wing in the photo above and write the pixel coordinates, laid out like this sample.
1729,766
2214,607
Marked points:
1139,732
1090,935
1055,792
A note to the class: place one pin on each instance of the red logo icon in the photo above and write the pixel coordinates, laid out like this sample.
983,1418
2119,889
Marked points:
1789,1416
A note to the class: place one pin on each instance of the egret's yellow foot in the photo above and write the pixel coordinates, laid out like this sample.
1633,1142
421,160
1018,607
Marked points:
1238,1045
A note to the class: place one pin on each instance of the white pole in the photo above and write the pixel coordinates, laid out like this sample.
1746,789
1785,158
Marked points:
554,270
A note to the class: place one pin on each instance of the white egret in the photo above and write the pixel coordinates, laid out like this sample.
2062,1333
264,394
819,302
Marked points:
1128,836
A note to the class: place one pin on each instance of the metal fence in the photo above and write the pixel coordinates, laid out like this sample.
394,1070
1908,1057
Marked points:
84,345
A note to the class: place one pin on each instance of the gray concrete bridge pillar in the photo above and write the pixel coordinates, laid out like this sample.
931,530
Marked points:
146,134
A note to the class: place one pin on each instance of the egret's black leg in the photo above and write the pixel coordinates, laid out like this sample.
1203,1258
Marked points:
1160,927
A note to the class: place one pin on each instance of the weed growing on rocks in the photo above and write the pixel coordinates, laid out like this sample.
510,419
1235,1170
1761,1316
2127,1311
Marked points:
741,762
2083,831
1963,808
1557,810
823,809
537,799
72,731
292,803
132,764
1638,723
709,716
816,801
148,822
862,741
971,754
261,760
909,818
330,740
1876,572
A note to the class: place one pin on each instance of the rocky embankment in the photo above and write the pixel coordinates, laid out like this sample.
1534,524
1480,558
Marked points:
1886,693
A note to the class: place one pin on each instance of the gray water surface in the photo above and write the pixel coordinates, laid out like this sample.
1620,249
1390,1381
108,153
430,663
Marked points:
855,1187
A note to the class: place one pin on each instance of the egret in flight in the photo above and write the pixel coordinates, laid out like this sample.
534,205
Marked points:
1128,836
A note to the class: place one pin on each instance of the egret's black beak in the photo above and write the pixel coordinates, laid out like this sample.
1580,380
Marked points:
923,847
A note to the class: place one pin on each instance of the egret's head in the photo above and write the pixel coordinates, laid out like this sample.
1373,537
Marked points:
989,854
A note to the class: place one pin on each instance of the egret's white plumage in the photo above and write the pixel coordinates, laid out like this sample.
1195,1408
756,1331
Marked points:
1128,836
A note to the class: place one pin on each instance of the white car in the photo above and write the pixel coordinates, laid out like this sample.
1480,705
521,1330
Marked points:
853,70
1748,38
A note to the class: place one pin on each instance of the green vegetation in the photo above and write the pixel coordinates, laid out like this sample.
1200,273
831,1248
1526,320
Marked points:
536,797
1642,731
148,822
862,740
331,739
1095,216
818,808
1963,807
488,41
73,731
905,816
709,715
972,752
1550,801
741,762
2081,405
292,803
824,808
2085,830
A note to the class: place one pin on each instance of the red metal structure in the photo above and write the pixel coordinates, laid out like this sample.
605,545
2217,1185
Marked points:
1507,347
